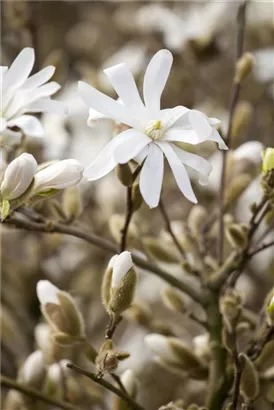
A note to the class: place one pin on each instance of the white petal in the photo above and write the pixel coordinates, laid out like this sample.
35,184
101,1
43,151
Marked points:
179,172
34,367
124,84
29,125
151,177
142,155
155,79
201,165
200,124
47,292
190,136
47,105
45,90
104,104
128,380
39,78
130,147
122,264
93,116
172,115
214,121
10,138
159,345
104,162
19,70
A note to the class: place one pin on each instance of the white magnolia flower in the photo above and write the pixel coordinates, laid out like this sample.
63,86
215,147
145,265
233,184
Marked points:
152,132
22,95
120,264
61,175
47,292
159,345
18,176
34,367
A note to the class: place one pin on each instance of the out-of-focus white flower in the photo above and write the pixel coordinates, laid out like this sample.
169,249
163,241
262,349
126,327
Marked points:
152,132
18,176
33,368
160,346
201,345
263,69
120,264
128,380
21,95
61,175
47,292
56,371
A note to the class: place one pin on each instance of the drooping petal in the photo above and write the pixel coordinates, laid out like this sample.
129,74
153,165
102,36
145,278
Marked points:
47,105
130,147
190,136
29,124
155,79
200,124
39,78
19,70
124,84
179,171
199,164
104,162
151,177
104,104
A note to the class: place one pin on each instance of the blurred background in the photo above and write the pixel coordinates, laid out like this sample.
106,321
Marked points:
81,39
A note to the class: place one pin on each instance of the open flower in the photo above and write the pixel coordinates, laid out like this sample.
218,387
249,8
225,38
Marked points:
18,176
152,132
21,95
61,175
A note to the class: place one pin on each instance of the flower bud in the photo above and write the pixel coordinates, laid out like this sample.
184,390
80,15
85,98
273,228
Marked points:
236,187
202,346
236,236
158,250
72,202
173,300
231,306
55,375
106,283
60,175
241,119
61,313
18,177
268,160
124,174
33,370
196,218
108,359
266,358
244,66
137,199
123,283
249,384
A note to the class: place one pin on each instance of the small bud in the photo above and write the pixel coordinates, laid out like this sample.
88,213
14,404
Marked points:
196,218
228,338
270,312
55,374
202,346
158,251
72,202
249,384
18,177
137,199
172,299
61,312
60,175
236,236
124,174
108,359
268,160
241,120
236,187
33,370
244,66
266,358
231,306
106,283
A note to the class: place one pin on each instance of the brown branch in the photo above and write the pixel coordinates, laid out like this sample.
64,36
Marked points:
35,394
234,99
51,227
169,228
129,214
124,396
261,248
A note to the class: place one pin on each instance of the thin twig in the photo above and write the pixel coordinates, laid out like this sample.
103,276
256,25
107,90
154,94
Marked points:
238,373
234,99
169,228
124,396
51,227
261,248
129,214
35,394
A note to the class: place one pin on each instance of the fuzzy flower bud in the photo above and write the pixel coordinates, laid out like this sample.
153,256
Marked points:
250,379
60,175
33,370
108,359
270,312
244,67
173,300
268,160
236,235
231,306
18,176
61,312
72,202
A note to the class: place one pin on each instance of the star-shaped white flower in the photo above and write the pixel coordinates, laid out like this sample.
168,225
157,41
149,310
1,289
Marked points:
22,95
152,131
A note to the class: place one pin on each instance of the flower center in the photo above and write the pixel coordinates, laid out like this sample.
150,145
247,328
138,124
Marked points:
155,130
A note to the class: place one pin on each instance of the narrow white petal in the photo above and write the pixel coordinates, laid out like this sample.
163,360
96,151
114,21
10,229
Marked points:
39,78
47,292
151,177
214,121
122,264
130,147
200,124
105,162
47,105
104,104
45,90
190,136
19,70
179,172
171,116
199,164
142,155
155,79
29,124
124,84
